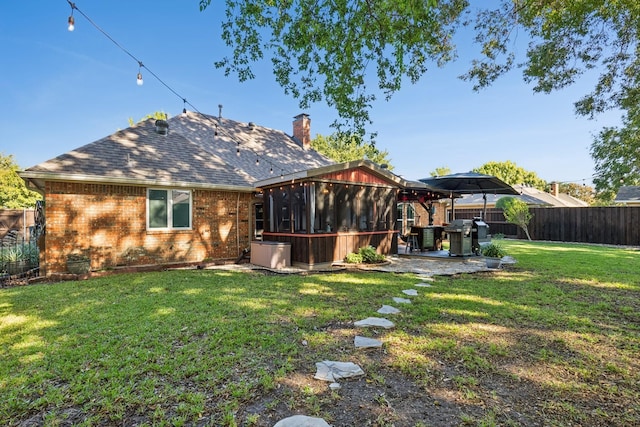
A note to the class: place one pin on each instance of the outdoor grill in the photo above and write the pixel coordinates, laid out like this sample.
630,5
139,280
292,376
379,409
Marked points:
460,237
479,235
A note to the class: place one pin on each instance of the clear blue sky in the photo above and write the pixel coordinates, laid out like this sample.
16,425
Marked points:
62,89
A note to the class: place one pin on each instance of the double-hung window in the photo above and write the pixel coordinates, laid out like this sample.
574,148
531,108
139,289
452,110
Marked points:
168,209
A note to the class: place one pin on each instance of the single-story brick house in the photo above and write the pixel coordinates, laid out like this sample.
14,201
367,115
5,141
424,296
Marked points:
184,191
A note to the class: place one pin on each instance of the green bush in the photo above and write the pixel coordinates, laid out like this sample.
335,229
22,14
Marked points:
12,253
20,252
367,255
353,258
493,250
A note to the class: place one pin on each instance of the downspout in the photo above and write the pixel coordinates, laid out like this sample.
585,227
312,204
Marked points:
238,222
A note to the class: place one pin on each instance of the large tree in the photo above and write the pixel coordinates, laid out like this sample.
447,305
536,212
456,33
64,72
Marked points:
616,151
329,49
343,147
512,174
13,192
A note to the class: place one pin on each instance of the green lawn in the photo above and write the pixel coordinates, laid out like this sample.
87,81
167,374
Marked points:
553,341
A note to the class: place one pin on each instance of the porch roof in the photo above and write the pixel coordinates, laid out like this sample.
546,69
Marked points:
413,189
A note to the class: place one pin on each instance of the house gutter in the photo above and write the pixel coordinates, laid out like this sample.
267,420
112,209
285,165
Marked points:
34,177
238,222
338,167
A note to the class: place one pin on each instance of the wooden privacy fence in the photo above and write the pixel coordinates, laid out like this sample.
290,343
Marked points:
17,220
613,225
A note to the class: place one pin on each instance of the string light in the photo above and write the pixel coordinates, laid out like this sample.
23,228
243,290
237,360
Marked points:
71,21
140,82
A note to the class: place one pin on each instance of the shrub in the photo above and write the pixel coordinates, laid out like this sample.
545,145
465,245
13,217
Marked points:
12,253
353,258
516,212
20,252
493,250
367,255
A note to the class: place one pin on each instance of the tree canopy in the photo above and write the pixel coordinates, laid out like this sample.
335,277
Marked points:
14,194
616,151
582,192
512,174
440,171
343,147
327,49
158,115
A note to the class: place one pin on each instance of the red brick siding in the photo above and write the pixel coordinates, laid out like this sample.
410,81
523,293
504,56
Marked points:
108,223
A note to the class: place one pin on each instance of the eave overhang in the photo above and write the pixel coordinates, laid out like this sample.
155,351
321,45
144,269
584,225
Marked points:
36,179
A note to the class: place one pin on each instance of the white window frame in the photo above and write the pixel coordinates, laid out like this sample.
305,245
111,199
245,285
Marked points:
169,226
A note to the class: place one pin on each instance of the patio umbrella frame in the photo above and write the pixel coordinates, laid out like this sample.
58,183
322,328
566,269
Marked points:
470,183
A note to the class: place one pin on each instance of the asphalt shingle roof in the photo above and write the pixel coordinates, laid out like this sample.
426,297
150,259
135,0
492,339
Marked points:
195,151
628,194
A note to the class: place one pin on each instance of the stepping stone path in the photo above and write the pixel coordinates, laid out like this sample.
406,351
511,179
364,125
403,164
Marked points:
302,421
387,309
422,285
375,321
331,371
364,342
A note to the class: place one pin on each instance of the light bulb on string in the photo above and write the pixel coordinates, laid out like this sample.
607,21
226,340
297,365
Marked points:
139,80
271,170
71,21
257,161
238,149
184,107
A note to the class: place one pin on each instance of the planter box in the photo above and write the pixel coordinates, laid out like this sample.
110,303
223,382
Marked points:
79,267
493,262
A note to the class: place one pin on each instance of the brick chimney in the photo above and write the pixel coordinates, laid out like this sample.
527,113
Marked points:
302,130
555,189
